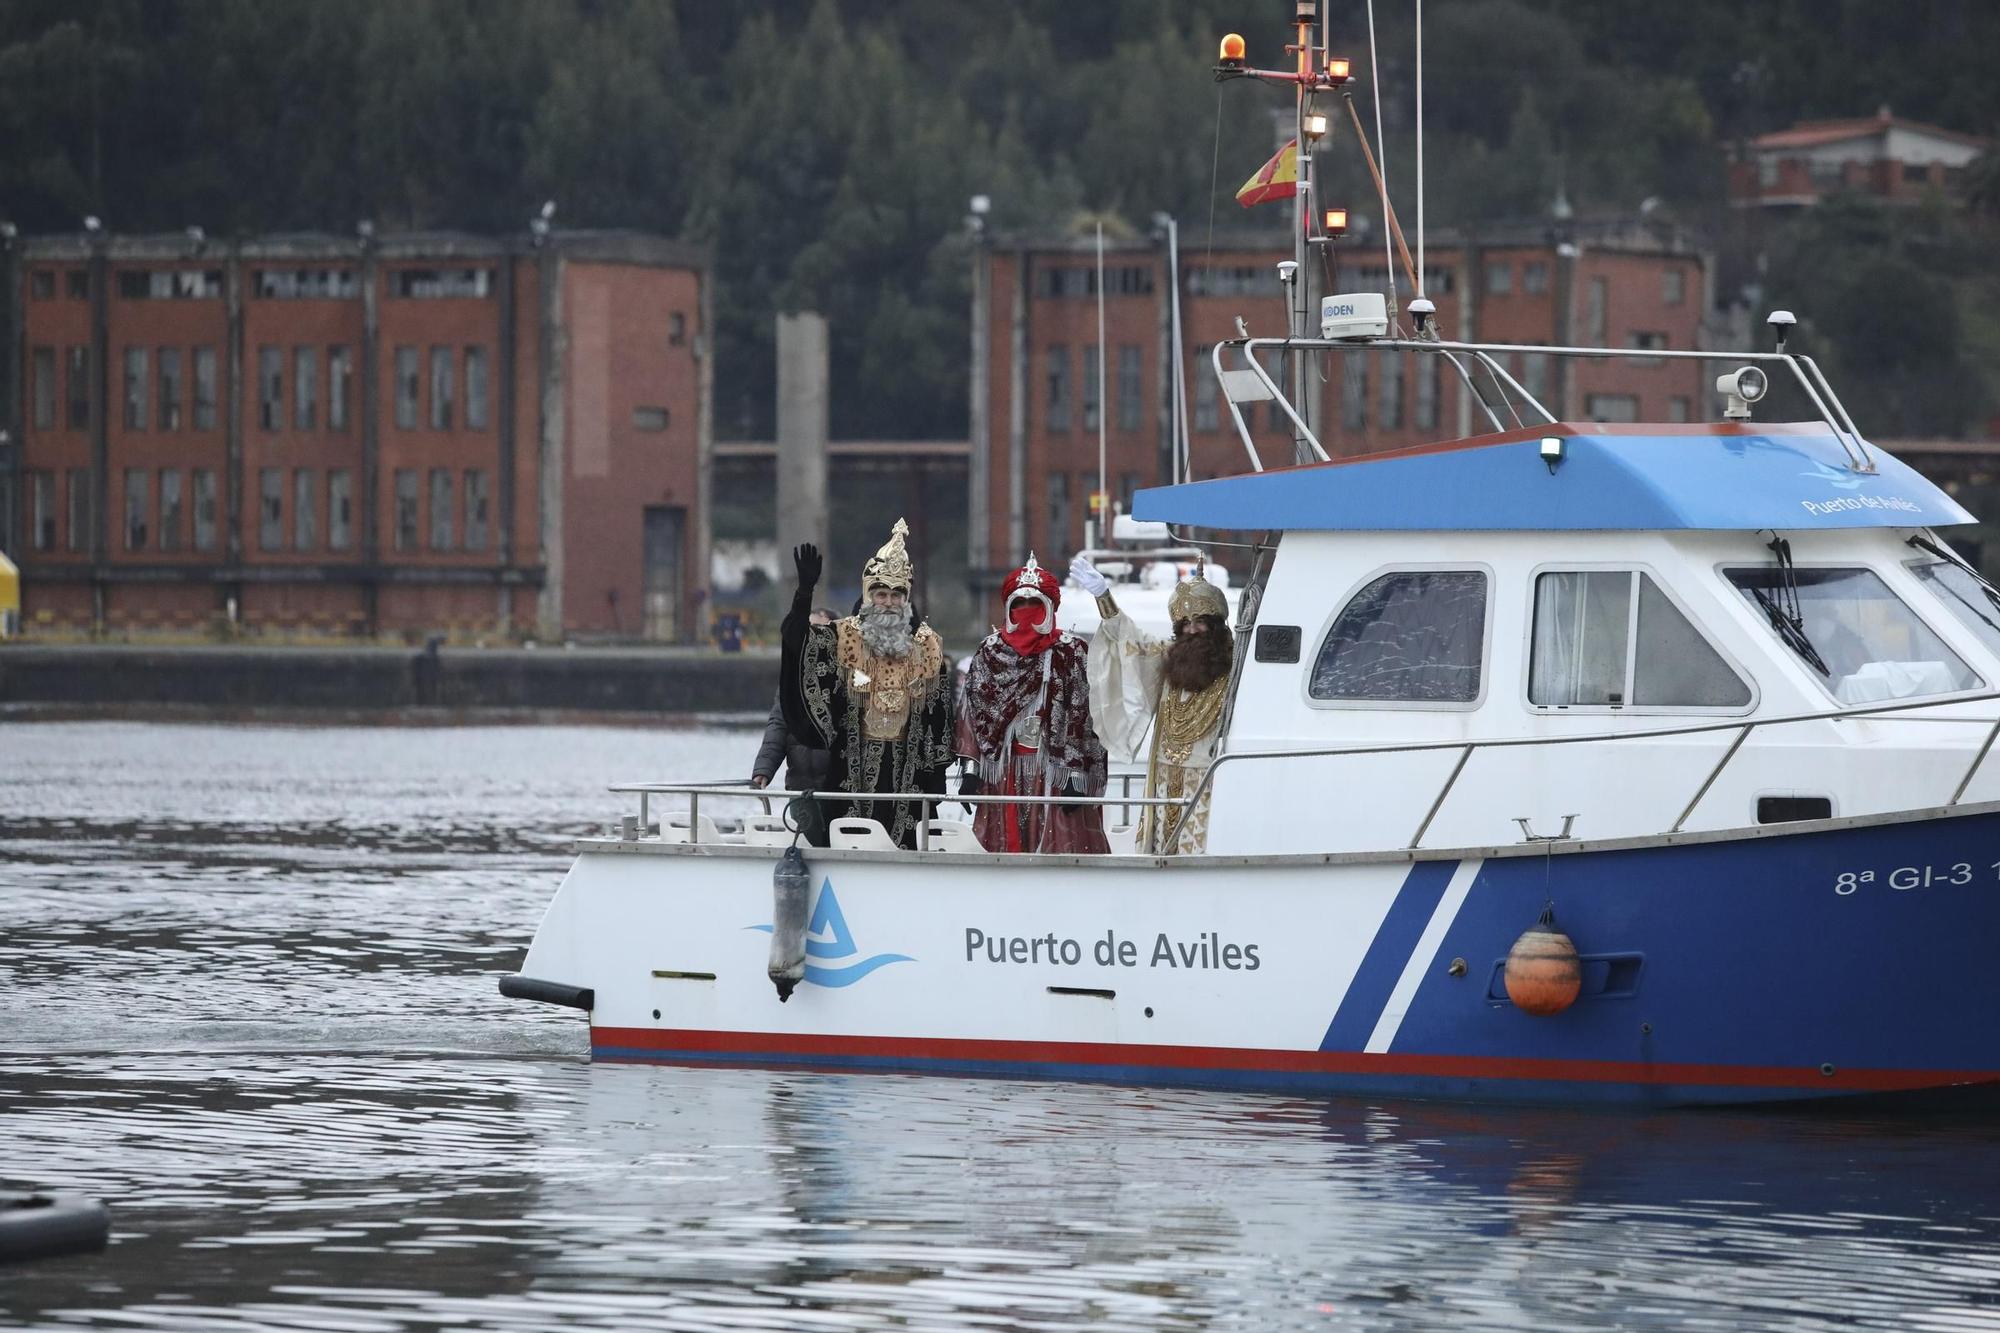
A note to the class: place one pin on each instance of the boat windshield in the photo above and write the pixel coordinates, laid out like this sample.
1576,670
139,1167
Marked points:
1857,635
1965,595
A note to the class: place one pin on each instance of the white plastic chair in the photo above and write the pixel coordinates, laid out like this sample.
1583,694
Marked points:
766,831
1124,839
951,835
674,827
860,833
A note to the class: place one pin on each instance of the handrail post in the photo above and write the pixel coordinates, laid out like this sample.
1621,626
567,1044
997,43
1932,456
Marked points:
1417,839
1715,773
1991,734
694,816
645,820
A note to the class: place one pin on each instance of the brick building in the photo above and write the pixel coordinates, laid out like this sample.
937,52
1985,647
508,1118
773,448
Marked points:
1036,394
378,435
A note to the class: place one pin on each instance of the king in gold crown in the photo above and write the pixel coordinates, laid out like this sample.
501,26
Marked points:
1196,596
890,566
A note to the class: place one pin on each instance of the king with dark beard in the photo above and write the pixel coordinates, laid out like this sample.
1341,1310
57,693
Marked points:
871,689
1178,689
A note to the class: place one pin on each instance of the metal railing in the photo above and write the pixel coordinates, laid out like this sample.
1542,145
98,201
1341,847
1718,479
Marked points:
1832,412
1743,728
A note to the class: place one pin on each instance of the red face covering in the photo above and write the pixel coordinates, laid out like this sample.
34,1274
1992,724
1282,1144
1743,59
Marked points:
1021,635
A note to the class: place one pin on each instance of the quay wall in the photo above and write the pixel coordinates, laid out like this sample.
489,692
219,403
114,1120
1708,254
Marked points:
627,681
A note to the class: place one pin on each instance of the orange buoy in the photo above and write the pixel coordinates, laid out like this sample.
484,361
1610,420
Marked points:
1543,972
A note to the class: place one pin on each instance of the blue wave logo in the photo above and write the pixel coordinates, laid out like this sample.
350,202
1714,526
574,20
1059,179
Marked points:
827,936
1835,477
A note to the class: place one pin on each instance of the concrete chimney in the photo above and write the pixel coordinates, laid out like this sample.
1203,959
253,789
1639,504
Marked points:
802,436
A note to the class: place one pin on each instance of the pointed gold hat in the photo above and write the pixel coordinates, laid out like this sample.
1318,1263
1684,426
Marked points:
890,566
1196,596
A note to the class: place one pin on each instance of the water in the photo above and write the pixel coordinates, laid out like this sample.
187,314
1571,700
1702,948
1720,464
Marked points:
250,1003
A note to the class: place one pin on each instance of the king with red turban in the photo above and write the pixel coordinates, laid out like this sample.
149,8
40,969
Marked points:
1024,728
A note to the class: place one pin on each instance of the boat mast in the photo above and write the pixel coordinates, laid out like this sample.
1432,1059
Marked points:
1314,71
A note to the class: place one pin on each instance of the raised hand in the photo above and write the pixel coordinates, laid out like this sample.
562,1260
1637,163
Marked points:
805,559
1087,577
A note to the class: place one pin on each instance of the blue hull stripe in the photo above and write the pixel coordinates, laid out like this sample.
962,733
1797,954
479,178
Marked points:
1387,954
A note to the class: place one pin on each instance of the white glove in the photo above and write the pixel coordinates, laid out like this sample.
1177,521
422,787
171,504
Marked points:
1087,577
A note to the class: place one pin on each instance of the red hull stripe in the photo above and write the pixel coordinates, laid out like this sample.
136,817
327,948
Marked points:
1107,1055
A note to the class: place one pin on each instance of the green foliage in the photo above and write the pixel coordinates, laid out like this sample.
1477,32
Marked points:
827,148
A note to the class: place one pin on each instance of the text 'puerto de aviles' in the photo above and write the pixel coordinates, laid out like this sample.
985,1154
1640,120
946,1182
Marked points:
1206,951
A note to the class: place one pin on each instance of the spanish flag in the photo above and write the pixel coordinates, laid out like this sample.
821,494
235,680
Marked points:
1276,179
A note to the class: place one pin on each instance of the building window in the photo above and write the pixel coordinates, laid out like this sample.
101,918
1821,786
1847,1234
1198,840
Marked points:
1679,409
407,388
305,514
1130,410
77,283
45,510
1611,406
170,509
44,359
305,388
1535,375
339,382
79,388
1427,393
1059,511
476,417
407,501
1125,280
204,388
80,508
274,284
271,509
1058,371
1353,392
475,509
1499,278
441,388
1128,486
170,388
440,509
166,284
339,509
1417,636
270,388
42,284
1391,389
442,283
1648,342
1673,286
677,329
650,418
1092,386
1207,411
1535,277
204,509
135,388
1598,312
138,504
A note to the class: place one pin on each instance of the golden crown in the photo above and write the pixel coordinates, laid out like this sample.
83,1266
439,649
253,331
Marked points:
1196,596
890,566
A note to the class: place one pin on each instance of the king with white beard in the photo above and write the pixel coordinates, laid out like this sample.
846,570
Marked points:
873,689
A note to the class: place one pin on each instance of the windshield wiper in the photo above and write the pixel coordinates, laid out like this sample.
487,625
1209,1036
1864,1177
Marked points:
1951,557
1787,617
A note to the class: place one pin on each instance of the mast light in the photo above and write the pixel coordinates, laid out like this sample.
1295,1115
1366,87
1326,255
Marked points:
1233,51
1335,221
1337,71
1315,124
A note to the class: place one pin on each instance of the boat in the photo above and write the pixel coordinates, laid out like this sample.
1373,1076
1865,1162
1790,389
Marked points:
1644,765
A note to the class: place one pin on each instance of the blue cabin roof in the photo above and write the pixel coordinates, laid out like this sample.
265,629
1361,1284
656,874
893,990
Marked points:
1729,476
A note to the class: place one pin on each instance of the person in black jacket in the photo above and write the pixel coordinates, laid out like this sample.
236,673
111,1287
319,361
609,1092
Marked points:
805,767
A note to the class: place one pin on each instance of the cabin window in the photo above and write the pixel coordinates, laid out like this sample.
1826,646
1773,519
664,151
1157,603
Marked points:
1856,635
1966,596
1416,636
1611,638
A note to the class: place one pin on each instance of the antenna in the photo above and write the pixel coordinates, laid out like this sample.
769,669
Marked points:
1382,169
1420,146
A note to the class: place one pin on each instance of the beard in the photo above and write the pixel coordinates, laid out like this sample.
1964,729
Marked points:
885,631
1196,661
